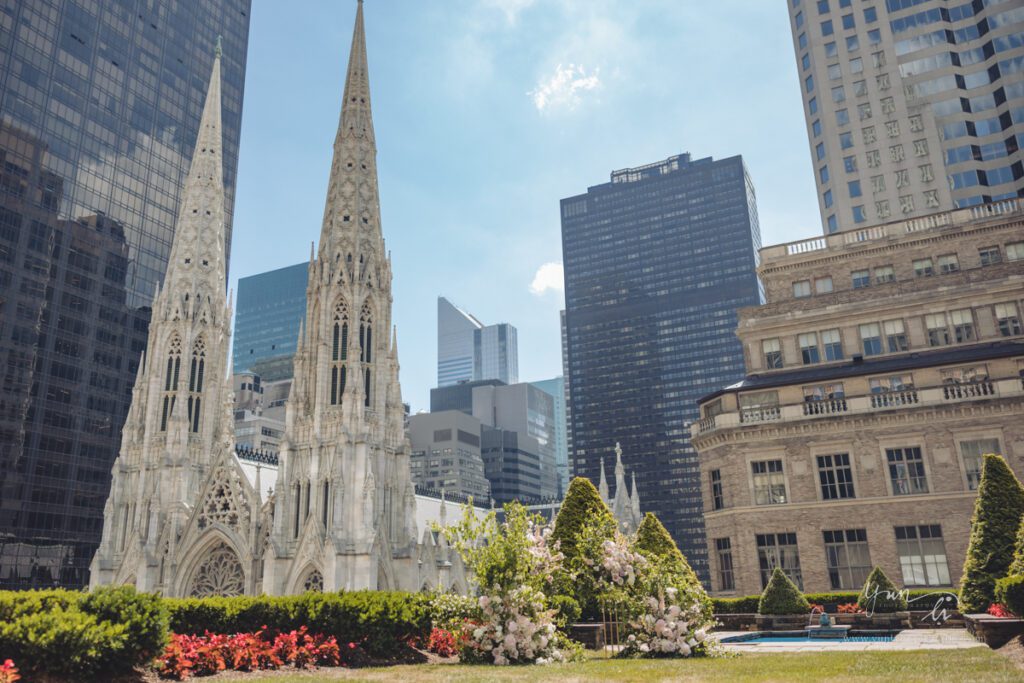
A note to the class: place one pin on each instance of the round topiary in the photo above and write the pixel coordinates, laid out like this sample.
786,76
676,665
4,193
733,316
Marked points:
879,594
582,505
781,596
997,514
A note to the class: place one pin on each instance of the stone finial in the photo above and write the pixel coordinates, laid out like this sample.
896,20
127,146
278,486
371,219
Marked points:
219,50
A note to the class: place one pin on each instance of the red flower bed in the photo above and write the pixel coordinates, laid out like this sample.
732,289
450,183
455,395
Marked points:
9,672
442,643
995,609
849,608
203,655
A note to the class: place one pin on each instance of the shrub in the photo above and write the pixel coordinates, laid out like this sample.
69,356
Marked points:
881,595
653,540
997,514
449,611
144,614
1009,591
567,610
744,605
781,596
848,608
582,506
1017,566
442,642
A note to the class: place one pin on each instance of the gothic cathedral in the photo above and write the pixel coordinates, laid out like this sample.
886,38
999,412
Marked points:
183,517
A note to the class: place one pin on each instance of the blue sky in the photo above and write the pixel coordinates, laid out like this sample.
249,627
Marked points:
487,113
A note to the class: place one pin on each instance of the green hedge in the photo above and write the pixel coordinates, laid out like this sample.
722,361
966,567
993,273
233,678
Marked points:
1010,593
81,636
382,621
781,596
747,604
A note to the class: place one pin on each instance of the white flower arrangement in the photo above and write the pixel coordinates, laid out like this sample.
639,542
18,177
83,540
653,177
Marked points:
668,628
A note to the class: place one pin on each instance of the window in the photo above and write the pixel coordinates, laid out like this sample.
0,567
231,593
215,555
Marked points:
799,19
812,105
769,482
809,83
852,44
884,274
802,41
816,128
963,325
833,225
822,6
874,36
842,117
834,72
881,385
848,21
938,331
819,151
802,288
759,406
726,580
861,279
860,88
823,173
827,198
856,65
922,555
1008,319
849,563
854,187
989,255
826,28
830,50
805,61
835,476
824,392
846,140
972,452
948,263
195,384
906,471
823,285
809,348
871,339
772,353
171,377
895,336
779,550
1015,251
850,164
838,94
833,345
339,353
716,490
923,267
858,214
864,111
870,15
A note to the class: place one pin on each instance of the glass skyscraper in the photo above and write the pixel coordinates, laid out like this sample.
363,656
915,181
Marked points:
656,263
268,313
99,110
468,350
913,106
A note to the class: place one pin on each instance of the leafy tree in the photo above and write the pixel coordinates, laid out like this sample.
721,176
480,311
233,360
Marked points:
997,514
879,594
781,596
653,540
582,506
1017,567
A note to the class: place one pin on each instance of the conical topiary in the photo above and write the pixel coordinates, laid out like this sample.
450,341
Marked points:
582,505
997,513
781,596
1017,566
654,540
879,594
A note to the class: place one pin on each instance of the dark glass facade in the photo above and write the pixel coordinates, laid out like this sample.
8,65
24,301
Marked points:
99,109
656,263
512,465
270,308
458,396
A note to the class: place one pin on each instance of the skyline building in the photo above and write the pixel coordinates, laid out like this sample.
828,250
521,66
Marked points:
555,387
657,261
99,115
469,351
912,106
269,309
446,454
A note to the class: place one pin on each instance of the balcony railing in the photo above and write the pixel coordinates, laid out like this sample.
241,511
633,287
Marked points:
946,394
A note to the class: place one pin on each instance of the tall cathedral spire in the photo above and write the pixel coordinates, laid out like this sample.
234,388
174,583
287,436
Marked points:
197,253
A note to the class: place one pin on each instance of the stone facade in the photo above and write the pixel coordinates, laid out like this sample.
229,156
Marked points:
185,516
885,362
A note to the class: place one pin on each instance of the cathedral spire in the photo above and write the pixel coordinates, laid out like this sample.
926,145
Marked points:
197,252
355,109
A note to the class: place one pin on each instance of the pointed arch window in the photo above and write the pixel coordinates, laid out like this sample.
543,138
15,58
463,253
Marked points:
298,507
326,502
366,349
339,353
170,382
196,371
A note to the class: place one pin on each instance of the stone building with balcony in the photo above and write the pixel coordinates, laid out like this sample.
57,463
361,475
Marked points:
884,364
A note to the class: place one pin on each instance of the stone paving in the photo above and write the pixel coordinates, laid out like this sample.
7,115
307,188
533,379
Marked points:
909,639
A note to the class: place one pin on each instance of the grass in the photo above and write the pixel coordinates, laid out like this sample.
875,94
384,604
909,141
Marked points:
978,665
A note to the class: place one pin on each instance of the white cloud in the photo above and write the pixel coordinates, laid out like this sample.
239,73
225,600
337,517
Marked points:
510,8
562,90
548,276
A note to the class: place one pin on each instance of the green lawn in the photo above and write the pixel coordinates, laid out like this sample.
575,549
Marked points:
977,665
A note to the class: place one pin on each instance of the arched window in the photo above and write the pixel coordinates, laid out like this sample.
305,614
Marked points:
339,353
366,348
170,381
326,502
195,383
298,506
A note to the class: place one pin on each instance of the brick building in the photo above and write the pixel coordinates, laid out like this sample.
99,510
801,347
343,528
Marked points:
885,362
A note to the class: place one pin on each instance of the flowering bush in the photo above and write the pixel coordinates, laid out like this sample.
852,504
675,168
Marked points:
9,672
512,563
448,611
816,606
995,609
188,655
849,608
670,627
442,643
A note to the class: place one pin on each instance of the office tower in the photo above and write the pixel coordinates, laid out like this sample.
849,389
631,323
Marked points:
446,454
555,387
468,350
100,109
458,396
268,313
565,393
512,464
657,261
856,438
259,412
913,106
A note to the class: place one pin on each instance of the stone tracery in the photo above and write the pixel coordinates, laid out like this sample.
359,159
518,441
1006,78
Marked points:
220,574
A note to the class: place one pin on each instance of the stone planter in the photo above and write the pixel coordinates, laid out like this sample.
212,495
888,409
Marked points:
782,622
736,622
993,631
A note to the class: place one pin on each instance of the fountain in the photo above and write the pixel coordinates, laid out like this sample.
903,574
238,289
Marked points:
825,627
